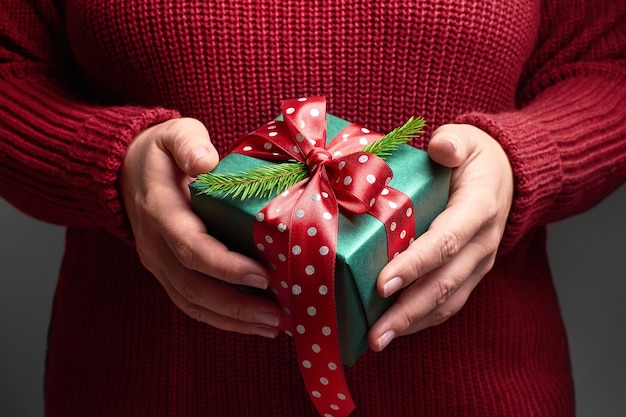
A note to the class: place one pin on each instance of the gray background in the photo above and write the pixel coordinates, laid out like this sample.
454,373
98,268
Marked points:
588,254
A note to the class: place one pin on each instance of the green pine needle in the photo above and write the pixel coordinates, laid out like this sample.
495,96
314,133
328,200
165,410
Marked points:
268,180
258,182
389,143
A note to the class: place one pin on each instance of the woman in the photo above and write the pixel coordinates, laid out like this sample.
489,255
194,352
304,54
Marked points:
105,116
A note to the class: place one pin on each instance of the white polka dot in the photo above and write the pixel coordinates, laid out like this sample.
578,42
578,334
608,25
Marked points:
314,112
316,394
372,202
296,149
332,366
388,180
303,99
385,191
268,145
282,227
300,329
347,180
396,254
316,197
412,240
327,216
260,246
306,364
296,250
365,130
247,148
323,289
337,154
342,164
282,257
284,284
260,217
393,226
324,381
363,159
302,124
316,348
363,141
288,333
309,270
341,396
334,407
371,178
311,231
393,205
311,311
328,415
324,250
269,239
290,110
324,194
312,142
296,290
409,211
300,213
271,125
326,331
403,234
285,193
345,136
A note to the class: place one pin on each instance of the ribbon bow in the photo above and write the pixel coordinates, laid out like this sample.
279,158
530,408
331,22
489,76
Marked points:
296,233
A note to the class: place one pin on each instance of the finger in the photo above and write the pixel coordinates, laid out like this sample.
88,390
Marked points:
448,146
431,250
432,299
214,302
189,143
187,238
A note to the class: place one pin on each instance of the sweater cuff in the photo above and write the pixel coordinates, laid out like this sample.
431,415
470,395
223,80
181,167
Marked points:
536,165
120,125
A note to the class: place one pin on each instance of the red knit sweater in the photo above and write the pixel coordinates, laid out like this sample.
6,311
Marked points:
80,78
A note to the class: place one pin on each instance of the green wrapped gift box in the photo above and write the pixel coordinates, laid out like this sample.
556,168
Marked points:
362,240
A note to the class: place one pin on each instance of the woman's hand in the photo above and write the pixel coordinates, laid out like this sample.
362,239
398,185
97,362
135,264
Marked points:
196,270
444,265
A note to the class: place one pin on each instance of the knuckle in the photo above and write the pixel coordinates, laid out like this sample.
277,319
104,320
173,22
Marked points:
440,316
444,290
235,311
450,245
184,253
191,294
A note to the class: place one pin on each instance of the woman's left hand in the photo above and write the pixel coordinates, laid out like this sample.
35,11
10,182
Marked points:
443,266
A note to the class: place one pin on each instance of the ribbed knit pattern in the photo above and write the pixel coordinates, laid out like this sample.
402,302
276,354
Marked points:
80,78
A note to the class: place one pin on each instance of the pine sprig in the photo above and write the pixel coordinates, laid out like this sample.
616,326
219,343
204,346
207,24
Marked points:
389,143
261,182
268,180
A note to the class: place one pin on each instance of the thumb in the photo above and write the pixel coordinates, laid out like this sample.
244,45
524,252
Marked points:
188,141
447,146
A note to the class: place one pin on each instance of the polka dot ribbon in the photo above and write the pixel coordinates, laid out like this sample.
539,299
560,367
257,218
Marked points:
296,233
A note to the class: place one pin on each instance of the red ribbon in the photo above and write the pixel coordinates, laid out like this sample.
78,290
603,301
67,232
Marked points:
296,233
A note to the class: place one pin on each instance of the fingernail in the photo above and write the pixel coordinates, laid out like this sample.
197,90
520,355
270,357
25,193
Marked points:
266,332
385,339
196,155
393,285
452,143
267,318
256,281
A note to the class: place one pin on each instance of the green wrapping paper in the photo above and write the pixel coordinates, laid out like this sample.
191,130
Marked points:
362,240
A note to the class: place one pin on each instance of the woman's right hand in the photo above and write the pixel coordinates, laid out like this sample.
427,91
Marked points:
198,272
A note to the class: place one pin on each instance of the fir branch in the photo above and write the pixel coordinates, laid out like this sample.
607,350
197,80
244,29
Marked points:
268,180
263,181
389,143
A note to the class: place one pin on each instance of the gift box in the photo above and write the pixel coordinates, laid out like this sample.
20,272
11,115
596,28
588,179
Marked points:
362,240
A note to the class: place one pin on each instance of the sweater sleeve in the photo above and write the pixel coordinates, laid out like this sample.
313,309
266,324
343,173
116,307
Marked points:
60,152
567,140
